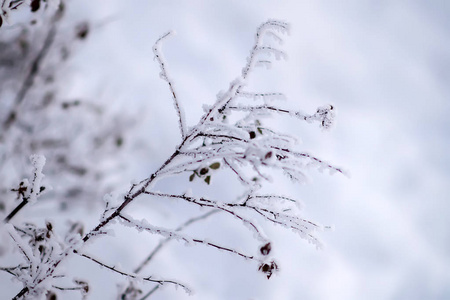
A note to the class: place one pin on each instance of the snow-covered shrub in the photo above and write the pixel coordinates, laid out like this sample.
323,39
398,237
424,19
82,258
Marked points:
232,135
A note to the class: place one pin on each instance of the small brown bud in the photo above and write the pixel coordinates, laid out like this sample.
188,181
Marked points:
35,4
265,250
82,30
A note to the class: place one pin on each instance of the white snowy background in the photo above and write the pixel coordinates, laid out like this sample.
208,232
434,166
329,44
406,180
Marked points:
384,65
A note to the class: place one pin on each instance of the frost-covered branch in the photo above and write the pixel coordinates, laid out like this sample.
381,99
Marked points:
131,290
172,234
163,242
165,77
29,192
324,115
225,207
263,206
231,134
271,28
43,250
133,276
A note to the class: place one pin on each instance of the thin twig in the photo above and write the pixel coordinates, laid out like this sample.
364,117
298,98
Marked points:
241,178
116,270
213,204
165,241
173,235
20,294
154,289
161,244
15,210
164,76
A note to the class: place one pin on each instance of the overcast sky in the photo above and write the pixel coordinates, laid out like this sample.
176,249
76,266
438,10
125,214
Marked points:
384,65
